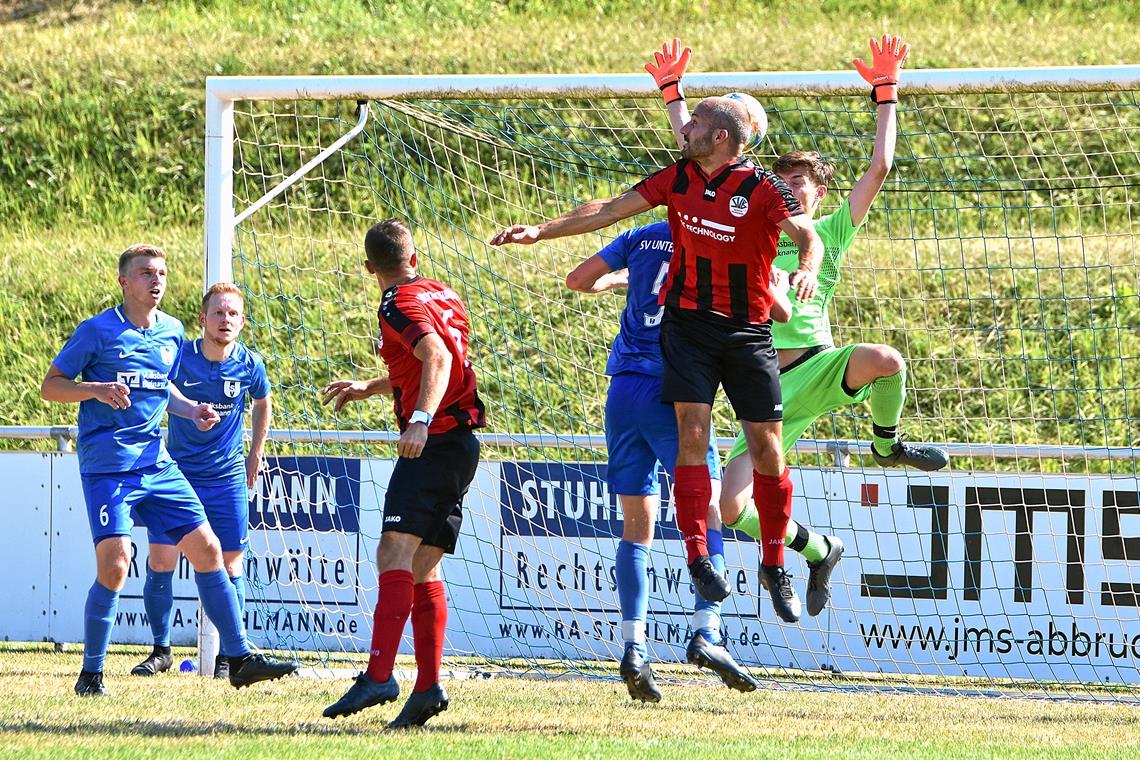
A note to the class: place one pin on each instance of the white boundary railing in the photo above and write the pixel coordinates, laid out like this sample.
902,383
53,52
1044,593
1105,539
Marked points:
840,449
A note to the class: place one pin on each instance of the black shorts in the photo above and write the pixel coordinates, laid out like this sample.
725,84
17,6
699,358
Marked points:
702,351
425,494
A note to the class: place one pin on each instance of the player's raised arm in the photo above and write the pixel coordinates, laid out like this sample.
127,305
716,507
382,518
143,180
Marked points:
887,58
801,230
590,216
667,68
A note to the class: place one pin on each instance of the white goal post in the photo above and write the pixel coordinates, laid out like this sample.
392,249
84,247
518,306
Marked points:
1001,260
222,92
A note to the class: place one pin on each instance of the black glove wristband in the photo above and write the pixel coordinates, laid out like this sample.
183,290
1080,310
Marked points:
874,95
679,94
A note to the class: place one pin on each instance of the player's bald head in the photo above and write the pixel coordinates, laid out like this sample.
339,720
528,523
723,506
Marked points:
729,115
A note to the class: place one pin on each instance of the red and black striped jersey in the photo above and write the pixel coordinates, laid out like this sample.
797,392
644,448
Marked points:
724,231
409,311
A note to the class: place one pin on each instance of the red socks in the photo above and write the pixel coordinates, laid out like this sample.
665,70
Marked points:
429,621
692,491
773,497
392,609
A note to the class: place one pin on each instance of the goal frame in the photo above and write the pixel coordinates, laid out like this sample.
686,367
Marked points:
223,92
222,218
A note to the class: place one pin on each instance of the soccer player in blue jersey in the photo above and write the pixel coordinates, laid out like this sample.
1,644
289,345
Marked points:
126,356
218,369
641,433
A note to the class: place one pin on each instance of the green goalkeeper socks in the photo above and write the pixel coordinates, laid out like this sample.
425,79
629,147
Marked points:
800,539
749,521
887,397
811,545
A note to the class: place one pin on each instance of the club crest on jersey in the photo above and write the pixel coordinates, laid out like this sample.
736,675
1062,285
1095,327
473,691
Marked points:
167,353
738,206
232,388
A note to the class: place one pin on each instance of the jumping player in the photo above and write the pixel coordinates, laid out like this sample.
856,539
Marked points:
815,377
725,215
641,432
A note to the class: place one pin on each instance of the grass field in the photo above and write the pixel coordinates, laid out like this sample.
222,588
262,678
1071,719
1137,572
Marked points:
184,716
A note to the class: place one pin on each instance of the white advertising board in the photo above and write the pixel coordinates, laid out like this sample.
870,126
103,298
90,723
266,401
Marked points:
988,575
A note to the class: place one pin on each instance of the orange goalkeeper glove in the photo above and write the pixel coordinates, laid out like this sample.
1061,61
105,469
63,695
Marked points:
668,70
883,73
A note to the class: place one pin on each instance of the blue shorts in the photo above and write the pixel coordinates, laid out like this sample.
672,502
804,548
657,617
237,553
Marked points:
641,432
159,495
226,501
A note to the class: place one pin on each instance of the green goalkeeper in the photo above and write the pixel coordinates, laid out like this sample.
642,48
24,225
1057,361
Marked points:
817,378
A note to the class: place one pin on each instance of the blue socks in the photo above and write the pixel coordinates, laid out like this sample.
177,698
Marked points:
158,599
632,561
221,604
98,617
706,614
239,589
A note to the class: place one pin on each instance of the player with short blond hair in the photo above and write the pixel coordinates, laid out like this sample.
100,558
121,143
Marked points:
219,369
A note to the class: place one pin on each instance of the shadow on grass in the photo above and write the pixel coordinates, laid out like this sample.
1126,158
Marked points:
159,729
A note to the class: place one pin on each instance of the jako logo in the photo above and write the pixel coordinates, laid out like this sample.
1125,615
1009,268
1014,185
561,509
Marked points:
738,206
392,519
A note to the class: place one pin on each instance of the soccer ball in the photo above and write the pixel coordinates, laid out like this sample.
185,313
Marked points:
756,115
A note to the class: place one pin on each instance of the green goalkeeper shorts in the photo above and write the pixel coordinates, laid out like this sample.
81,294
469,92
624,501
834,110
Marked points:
811,390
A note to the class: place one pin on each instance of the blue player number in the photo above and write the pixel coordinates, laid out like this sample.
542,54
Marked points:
654,319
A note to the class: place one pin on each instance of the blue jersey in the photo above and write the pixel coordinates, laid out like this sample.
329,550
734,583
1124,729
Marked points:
646,252
107,348
217,453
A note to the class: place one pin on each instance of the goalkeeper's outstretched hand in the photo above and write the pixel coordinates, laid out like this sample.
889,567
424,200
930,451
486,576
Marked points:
667,68
519,233
887,59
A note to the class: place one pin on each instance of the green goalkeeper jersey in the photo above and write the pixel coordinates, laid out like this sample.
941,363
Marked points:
810,324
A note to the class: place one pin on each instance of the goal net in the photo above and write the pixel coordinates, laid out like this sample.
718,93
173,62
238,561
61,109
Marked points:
1000,260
